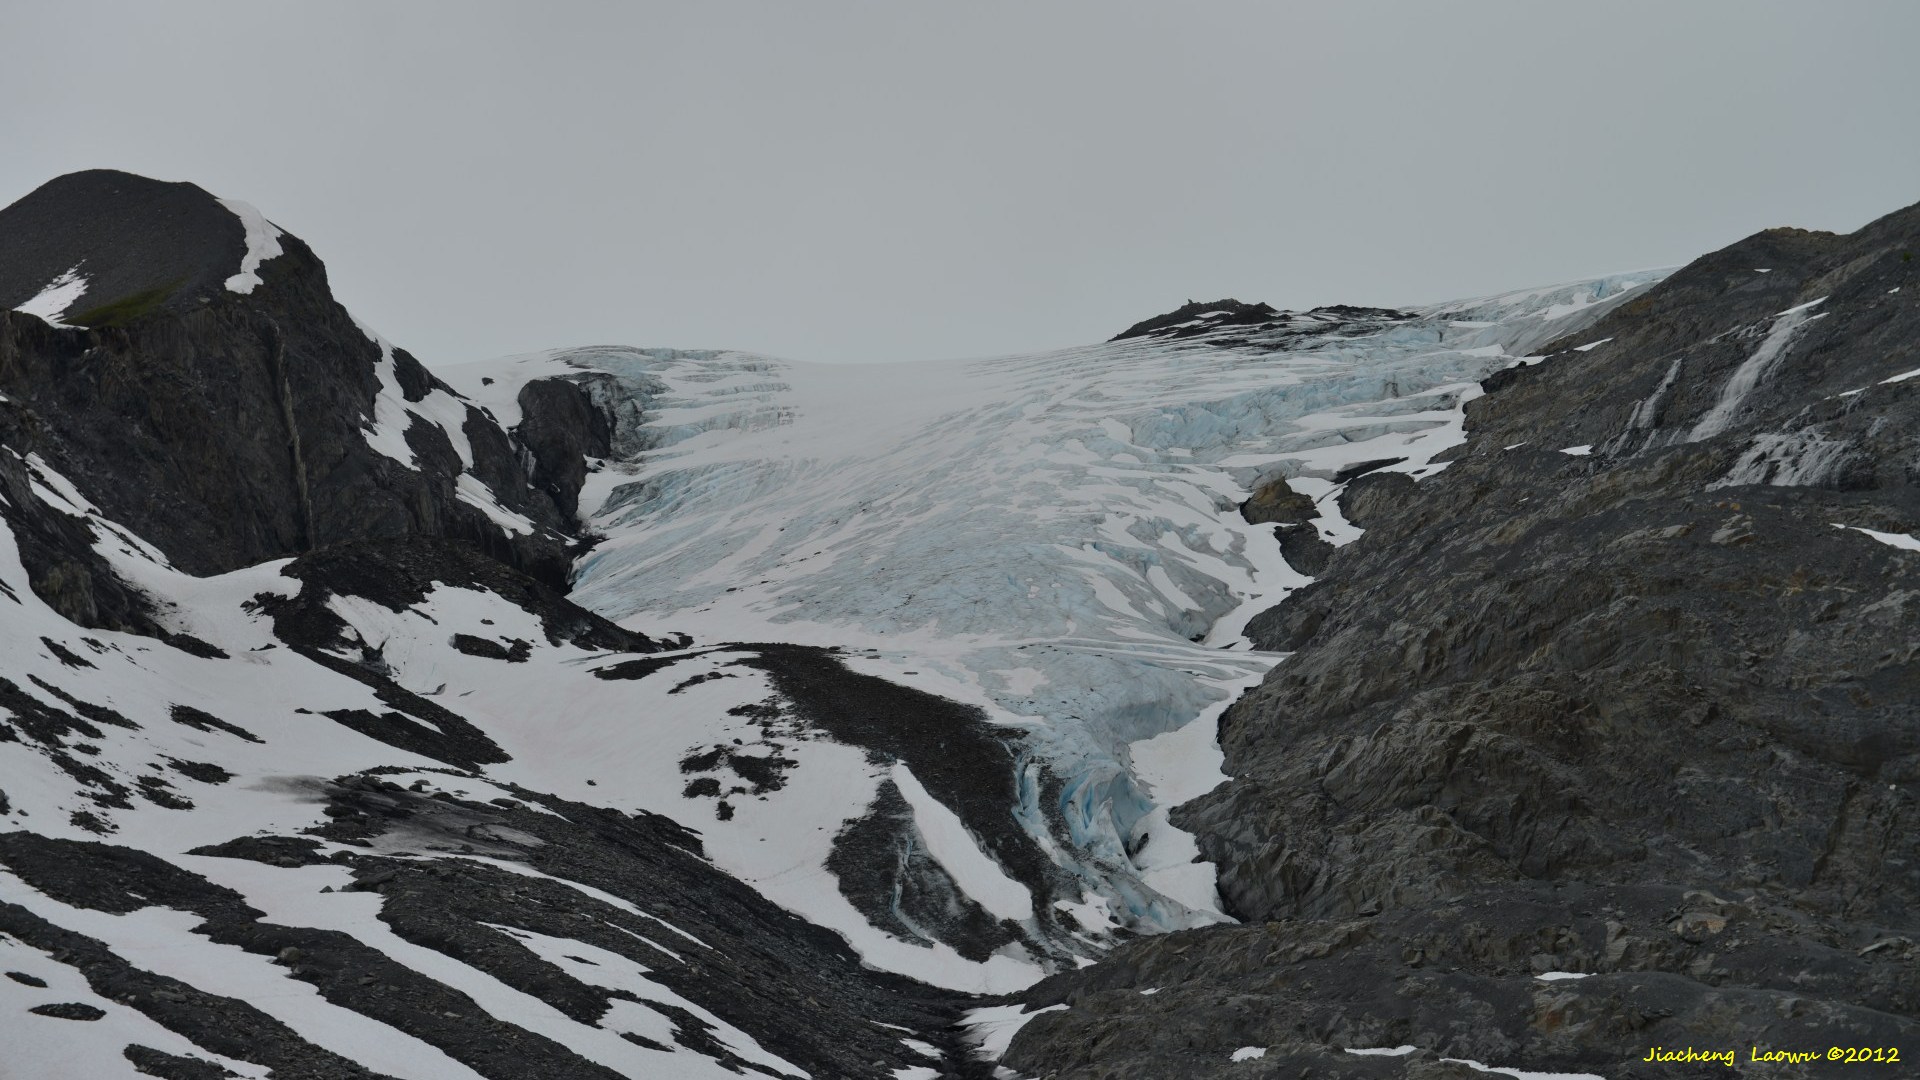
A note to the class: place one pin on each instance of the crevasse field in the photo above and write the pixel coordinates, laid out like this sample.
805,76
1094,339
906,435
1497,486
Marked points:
1051,537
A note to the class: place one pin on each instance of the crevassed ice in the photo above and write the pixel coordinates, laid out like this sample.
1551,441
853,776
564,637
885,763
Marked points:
1054,537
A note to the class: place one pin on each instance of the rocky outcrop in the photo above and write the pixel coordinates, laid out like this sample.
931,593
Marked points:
1291,514
1631,690
230,427
56,551
1267,327
1274,501
132,247
1221,312
562,426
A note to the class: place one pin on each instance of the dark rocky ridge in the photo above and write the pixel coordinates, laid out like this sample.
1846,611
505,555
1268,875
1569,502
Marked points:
1266,326
227,429
56,549
1232,313
140,243
1644,713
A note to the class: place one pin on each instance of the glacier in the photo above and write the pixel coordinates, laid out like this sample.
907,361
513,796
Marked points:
1053,538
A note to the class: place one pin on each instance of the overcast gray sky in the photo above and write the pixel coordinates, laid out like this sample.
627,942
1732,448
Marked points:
881,181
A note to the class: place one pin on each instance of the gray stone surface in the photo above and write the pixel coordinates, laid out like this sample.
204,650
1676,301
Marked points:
1644,713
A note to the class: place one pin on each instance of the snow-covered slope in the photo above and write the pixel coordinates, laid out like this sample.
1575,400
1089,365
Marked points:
305,841
1053,538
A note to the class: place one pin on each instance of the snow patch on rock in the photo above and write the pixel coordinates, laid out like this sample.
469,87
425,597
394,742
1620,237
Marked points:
60,294
263,243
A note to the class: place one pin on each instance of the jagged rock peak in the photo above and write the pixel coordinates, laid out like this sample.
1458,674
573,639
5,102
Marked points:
103,247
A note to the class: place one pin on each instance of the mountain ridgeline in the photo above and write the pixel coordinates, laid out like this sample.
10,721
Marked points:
226,427
348,731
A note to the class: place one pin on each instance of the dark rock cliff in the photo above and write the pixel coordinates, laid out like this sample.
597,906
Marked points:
1623,700
562,427
228,428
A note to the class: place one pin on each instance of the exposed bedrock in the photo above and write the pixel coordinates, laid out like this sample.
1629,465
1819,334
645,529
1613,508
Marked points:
562,426
228,428
1631,690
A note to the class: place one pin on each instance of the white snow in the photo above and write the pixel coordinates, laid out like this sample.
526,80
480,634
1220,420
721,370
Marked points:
1902,377
393,415
1898,540
1646,411
1385,1051
991,1028
45,1046
1557,976
595,966
1176,767
953,847
59,295
924,1049
293,897
1249,1053
1786,460
1521,1074
161,940
1582,450
1752,371
283,693
263,243
777,842
1591,345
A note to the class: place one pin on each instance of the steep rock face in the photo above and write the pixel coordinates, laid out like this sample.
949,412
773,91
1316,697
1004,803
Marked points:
101,247
228,427
1629,690
563,427
56,551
